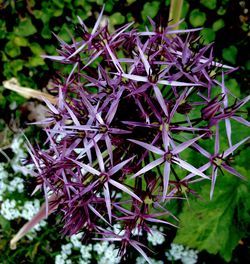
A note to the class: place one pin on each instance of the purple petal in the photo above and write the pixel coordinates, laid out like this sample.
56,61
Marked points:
148,146
73,116
107,200
99,158
98,214
202,150
134,77
50,106
229,131
217,140
165,179
86,167
232,171
144,60
165,137
202,168
177,103
139,249
185,145
241,120
175,83
149,167
98,21
119,166
214,176
189,167
160,100
234,147
124,189
109,148
114,59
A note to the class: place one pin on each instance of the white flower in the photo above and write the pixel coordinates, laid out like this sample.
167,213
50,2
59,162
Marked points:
16,185
59,259
110,256
3,172
141,260
3,188
8,210
118,230
155,237
30,208
179,252
75,240
100,247
86,252
67,249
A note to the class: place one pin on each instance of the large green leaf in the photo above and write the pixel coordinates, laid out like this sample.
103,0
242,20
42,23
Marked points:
213,225
25,28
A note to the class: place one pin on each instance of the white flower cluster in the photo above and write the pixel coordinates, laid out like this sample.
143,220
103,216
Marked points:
9,210
18,149
3,178
142,260
107,253
84,252
156,237
12,209
184,254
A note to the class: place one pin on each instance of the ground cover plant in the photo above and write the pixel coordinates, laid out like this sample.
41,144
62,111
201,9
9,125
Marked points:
129,121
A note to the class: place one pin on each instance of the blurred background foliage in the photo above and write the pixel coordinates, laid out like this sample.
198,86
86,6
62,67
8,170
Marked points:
26,28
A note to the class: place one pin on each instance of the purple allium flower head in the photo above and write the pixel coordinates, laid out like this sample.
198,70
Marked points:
133,103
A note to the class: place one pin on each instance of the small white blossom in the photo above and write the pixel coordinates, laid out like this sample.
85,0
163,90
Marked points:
3,172
100,247
118,230
3,188
75,240
9,210
155,237
110,256
60,259
16,185
30,208
142,260
179,252
86,252
67,249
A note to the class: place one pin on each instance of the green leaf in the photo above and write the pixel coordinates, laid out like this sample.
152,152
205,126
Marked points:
248,65
12,50
25,28
210,225
20,41
117,19
3,29
185,8
46,32
221,11
211,4
36,48
230,54
218,24
197,18
208,35
150,9
35,61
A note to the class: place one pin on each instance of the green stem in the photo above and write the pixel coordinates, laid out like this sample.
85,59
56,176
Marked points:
175,12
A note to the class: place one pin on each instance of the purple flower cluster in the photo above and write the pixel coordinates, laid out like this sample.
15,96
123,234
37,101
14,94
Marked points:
133,103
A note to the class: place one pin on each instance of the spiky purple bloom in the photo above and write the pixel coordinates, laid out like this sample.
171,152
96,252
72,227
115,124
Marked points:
133,102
